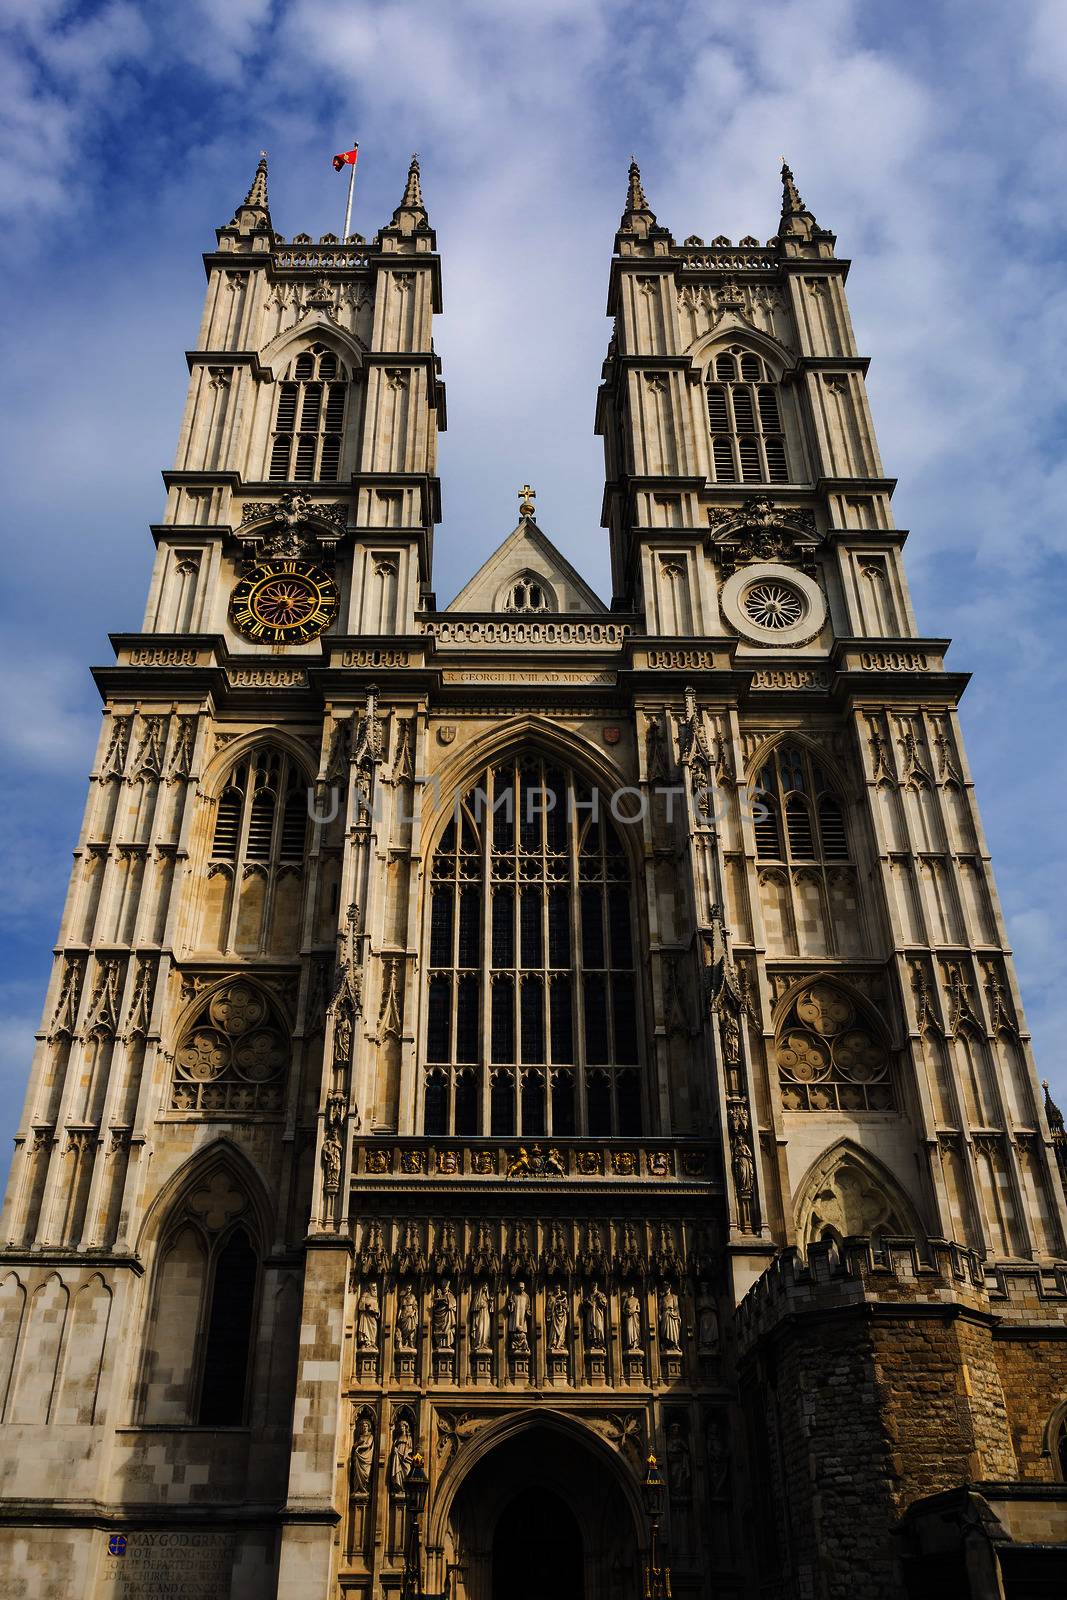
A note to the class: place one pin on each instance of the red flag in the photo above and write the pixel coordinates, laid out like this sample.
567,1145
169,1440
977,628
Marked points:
347,158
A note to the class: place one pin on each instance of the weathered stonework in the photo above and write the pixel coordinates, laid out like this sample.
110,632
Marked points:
363,1125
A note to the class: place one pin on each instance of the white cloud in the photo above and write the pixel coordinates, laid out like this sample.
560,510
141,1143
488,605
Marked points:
934,146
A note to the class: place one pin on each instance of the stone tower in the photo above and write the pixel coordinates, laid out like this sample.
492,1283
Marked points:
491,1046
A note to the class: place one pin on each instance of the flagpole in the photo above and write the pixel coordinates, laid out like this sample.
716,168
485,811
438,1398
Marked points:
351,188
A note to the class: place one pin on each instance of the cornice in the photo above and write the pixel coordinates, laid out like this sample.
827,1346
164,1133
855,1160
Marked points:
230,358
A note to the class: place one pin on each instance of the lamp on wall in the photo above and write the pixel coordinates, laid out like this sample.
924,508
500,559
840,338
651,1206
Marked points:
657,1569
415,1499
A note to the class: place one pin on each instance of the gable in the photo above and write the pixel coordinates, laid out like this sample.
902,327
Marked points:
527,553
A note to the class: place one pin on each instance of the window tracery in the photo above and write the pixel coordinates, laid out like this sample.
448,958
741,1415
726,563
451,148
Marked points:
532,1015
309,420
747,439
528,593
232,1056
829,1056
198,1353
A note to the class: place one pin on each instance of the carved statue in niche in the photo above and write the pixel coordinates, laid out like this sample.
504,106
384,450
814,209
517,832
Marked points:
679,1464
443,1318
517,1307
368,1315
331,1166
631,1321
400,1456
595,1306
361,1460
707,1322
670,1319
558,1319
407,1318
718,1454
481,1318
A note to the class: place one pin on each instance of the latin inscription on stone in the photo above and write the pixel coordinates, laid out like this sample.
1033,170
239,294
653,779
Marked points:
159,1566
541,676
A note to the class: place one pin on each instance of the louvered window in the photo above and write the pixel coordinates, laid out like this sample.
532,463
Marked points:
262,816
309,422
540,985
748,444
792,785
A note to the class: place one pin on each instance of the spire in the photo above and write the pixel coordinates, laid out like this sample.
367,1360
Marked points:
797,220
1052,1112
638,216
254,211
792,204
412,204
257,195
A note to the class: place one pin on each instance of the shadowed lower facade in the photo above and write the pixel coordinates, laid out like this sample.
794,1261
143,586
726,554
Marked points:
490,1046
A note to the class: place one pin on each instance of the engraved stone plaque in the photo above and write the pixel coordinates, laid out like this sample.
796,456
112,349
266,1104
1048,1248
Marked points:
153,1565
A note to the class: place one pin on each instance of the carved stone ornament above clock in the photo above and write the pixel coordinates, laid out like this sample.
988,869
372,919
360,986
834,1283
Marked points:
762,531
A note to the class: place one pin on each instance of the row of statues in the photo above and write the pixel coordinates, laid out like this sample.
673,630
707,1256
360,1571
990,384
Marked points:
402,1450
593,1308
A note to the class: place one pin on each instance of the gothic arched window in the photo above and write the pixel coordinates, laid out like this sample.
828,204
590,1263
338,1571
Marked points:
232,1055
831,1056
198,1349
809,886
532,1011
529,593
747,439
310,418
797,816
258,846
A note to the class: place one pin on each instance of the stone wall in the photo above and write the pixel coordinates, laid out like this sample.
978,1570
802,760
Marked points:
874,1382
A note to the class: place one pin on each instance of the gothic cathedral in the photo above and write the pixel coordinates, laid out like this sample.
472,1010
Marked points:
532,1098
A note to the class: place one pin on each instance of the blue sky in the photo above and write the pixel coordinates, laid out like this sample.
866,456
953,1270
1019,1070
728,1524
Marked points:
931,138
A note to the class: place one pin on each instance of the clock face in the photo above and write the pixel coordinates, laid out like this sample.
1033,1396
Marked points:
284,602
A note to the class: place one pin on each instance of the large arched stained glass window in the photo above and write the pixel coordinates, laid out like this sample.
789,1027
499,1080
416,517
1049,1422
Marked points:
532,1013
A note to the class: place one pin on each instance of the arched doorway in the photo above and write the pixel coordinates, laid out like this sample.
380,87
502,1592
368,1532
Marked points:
537,1549
544,1510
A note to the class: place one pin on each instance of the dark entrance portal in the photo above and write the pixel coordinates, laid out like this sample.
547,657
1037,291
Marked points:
537,1549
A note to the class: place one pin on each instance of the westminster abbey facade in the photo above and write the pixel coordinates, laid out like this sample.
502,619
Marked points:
532,1097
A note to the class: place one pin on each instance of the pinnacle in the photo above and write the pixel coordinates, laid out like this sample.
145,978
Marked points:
412,203
792,204
1052,1110
257,195
413,190
635,194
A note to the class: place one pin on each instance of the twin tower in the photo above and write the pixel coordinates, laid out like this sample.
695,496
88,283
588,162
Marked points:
532,1093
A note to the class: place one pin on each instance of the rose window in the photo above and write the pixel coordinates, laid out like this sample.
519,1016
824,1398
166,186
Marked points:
830,1058
233,1056
773,605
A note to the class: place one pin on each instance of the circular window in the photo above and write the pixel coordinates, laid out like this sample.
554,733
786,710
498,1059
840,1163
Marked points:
773,605
768,603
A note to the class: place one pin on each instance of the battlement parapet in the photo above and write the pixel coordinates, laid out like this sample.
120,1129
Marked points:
899,1270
